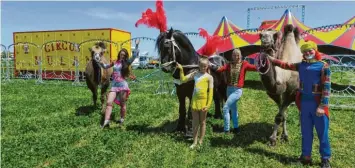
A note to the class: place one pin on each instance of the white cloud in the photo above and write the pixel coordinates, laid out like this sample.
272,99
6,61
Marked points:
109,14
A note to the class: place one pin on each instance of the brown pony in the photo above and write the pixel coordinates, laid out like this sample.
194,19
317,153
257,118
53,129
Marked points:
95,75
280,84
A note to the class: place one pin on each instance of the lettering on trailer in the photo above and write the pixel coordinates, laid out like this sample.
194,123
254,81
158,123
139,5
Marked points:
50,60
61,46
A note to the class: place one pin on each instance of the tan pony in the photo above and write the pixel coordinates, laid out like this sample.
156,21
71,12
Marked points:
95,75
280,84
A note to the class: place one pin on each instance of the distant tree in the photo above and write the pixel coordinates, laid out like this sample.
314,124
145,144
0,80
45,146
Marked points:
3,54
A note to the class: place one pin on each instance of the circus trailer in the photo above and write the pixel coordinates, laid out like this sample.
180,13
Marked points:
60,50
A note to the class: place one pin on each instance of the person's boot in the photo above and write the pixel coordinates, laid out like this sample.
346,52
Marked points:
236,130
325,163
305,160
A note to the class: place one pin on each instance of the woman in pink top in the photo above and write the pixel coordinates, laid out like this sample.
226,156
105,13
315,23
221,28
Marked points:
119,85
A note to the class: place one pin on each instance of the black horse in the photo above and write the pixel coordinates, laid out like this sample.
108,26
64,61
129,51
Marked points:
174,47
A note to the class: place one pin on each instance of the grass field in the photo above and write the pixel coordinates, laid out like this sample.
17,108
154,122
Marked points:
40,128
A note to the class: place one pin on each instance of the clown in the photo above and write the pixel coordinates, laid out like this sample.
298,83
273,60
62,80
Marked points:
312,100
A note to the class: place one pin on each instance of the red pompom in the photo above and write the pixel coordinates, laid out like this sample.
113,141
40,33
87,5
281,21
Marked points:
154,19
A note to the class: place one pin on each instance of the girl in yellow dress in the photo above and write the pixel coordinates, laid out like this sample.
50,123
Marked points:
201,98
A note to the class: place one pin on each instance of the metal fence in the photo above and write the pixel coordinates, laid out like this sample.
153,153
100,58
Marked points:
44,69
343,81
343,71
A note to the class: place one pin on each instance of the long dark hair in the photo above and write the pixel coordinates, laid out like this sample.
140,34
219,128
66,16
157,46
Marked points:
125,71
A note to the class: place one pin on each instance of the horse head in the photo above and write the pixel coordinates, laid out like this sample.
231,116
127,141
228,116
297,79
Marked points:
97,51
174,47
270,40
283,46
270,44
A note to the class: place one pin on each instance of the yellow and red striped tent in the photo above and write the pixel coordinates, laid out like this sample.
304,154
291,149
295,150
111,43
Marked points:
341,36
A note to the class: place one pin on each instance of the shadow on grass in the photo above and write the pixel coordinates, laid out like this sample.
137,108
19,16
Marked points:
336,86
254,84
85,110
249,133
284,159
169,128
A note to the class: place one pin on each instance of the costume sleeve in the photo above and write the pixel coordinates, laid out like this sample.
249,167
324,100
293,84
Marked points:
249,67
106,66
188,77
285,65
135,54
210,91
223,68
326,86
243,70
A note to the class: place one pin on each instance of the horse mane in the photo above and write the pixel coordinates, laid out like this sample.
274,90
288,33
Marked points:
179,36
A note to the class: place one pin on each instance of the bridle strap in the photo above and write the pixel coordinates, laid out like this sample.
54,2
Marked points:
259,62
172,40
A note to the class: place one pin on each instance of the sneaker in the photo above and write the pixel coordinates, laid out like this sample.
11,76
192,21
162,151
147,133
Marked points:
106,124
193,146
325,163
120,121
305,160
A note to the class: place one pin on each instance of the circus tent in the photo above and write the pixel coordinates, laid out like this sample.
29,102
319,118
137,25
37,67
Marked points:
341,35
225,28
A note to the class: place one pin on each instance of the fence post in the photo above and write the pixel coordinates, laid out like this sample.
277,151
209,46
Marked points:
40,80
7,78
77,75
3,69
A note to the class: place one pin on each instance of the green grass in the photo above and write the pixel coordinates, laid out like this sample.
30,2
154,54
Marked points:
40,128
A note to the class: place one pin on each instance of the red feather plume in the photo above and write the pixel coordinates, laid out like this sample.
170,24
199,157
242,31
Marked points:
212,43
154,19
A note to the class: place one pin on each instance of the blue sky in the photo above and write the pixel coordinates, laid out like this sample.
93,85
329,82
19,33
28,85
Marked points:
186,16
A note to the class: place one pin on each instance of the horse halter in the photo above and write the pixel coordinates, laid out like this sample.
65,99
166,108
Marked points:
97,57
259,62
172,40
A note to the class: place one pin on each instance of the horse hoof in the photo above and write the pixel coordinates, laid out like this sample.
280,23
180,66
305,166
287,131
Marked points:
272,141
284,138
217,117
179,130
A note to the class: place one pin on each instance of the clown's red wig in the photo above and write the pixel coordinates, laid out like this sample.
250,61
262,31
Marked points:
318,56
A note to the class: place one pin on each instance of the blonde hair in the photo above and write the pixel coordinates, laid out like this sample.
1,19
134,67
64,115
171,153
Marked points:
237,51
205,61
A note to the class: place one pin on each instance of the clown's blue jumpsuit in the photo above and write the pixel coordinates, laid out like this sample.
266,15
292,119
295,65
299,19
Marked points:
314,91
